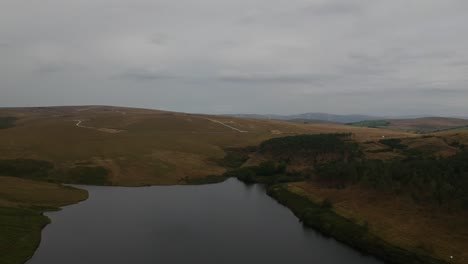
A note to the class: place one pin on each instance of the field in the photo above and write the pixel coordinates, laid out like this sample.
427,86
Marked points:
43,147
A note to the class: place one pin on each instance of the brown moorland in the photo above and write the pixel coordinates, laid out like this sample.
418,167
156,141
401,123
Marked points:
397,219
418,226
145,147
149,147
418,125
427,124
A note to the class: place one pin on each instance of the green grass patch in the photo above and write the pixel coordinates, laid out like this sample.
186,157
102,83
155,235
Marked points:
21,214
45,171
20,231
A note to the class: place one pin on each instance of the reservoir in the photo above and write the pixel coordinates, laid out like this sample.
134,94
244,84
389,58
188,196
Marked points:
225,223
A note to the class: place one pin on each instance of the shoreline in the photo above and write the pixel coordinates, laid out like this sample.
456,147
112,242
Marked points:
312,215
41,212
329,223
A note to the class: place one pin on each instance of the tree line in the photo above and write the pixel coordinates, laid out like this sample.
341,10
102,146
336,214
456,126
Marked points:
443,181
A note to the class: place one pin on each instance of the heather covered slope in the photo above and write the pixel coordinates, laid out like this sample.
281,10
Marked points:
134,147
417,125
401,199
105,145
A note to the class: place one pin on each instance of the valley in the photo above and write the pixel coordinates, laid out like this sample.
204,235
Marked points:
45,147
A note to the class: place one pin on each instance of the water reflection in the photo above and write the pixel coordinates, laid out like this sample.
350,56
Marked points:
227,223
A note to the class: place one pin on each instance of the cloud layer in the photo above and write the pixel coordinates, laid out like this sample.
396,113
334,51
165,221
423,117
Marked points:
217,56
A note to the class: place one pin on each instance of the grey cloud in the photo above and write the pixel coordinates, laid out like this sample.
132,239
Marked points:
335,8
442,91
159,39
362,64
390,60
404,91
458,63
278,78
57,67
144,75
298,56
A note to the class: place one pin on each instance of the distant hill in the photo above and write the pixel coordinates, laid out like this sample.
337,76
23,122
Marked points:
413,123
418,125
312,117
130,146
310,121
107,145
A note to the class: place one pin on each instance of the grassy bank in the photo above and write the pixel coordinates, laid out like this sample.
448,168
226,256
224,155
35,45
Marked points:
42,170
206,180
22,204
322,218
332,163
20,233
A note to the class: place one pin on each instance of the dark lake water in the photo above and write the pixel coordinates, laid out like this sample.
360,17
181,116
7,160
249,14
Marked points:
221,223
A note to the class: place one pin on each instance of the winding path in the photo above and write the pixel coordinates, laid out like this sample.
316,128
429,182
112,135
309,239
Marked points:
226,125
108,130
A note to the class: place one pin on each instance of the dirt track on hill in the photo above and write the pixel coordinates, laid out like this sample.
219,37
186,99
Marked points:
226,125
107,130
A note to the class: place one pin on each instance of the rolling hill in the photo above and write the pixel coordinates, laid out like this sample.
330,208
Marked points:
416,125
43,147
140,146
311,117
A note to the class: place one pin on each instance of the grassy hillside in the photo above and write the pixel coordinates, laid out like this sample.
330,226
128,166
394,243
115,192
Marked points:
106,145
22,203
382,206
43,146
142,147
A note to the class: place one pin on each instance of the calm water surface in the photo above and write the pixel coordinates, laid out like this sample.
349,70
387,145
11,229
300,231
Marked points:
211,224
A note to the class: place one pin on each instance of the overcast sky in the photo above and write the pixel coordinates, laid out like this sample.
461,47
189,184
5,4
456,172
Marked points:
394,57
